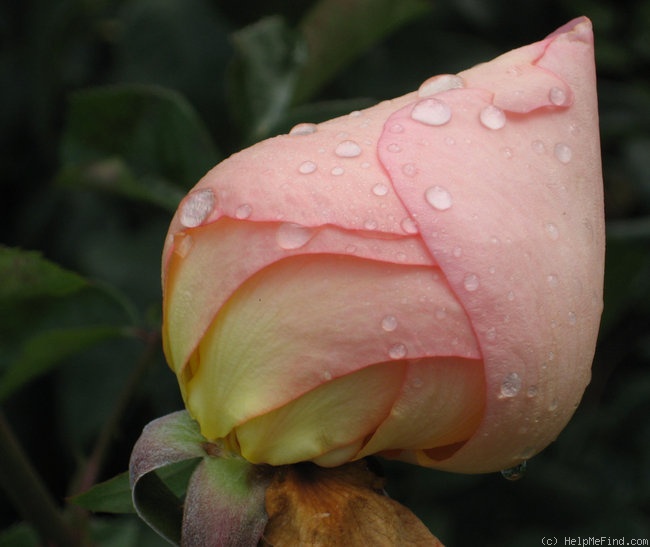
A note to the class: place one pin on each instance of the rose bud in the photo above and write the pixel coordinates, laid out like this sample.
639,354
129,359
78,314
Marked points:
420,280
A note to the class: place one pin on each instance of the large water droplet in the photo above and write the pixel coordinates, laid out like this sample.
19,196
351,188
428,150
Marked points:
293,236
431,112
243,211
380,189
439,83
197,207
514,473
409,226
471,282
347,149
511,385
563,152
389,323
307,167
303,129
493,117
557,96
438,197
397,351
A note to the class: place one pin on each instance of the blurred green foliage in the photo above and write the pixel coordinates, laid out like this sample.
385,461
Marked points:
112,109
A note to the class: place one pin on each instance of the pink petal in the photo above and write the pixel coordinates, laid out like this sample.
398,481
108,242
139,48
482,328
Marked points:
524,205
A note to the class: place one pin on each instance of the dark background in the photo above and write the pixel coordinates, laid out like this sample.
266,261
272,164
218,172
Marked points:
89,177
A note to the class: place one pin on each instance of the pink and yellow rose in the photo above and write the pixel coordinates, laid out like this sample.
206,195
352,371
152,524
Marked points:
421,279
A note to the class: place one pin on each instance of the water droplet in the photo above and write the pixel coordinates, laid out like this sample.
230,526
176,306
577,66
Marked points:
471,282
554,404
396,128
370,224
557,96
243,211
365,165
389,323
183,243
409,169
450,140
511,385
491,333
431,112
326,375
303,129
507,152
457,252
573,319
293,236
337,171
514,473
380,189
409,226
307,167
347,149
439,83
538,147
196,207
493,117
397,351
563,152
552,280
438,198
394,147
552,231
441,313
532,391
355,113
511,295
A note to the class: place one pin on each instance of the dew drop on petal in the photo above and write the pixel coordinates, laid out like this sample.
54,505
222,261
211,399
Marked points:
493,117
347,149
396,128
197,207
370,224
532,391
394,147
511,385
380,189
389,323
538,147
552,231
441,313
431,112
409,226
471,282
552,280
293,236
397,351
573,319
307,167
457,252
409,169
514,473
439,83
303,129
563,152
243,211
337,171
438,197
557,96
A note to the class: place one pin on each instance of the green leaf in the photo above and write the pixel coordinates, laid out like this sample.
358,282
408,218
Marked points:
44,351
114,495
26,274
145,142
268,57
339,31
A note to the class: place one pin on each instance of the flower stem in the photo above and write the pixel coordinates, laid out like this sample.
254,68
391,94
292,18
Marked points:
29,495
